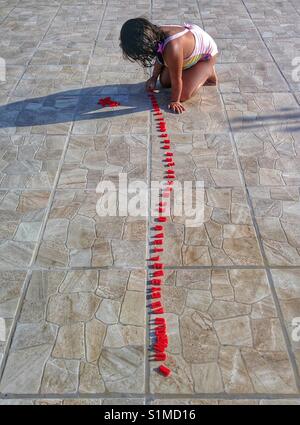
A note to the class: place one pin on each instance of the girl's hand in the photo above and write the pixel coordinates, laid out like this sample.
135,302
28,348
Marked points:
176,107
151,84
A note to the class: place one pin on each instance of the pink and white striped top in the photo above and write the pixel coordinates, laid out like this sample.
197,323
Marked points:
205,46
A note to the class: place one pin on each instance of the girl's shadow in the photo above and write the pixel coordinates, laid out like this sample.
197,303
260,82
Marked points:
74,105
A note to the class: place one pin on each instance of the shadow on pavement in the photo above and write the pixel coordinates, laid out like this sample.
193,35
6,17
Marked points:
74,105
287,120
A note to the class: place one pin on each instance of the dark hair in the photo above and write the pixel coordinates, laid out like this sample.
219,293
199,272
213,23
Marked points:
139,40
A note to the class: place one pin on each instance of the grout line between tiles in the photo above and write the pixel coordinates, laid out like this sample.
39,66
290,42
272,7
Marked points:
168,267
147,333
78,65
14,323
296,10
94,189
200,15
14,7
149,172
152,396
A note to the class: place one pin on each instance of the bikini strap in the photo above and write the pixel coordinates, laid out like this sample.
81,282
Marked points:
161,45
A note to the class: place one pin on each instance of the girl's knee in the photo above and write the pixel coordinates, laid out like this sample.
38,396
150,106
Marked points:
164,78
184,98
164,81
185,95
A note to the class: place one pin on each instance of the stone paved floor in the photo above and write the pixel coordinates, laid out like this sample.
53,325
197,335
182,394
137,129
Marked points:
72,284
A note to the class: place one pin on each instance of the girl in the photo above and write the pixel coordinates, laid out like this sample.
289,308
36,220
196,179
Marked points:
185,56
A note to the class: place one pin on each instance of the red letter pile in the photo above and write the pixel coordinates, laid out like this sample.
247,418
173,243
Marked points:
107,101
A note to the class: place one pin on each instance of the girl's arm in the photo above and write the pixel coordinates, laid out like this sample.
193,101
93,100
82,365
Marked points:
151,83
174,60
156,70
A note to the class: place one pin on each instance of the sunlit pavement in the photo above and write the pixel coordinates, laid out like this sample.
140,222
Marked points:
73,319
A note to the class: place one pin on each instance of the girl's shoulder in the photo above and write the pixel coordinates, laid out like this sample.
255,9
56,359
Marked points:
171,46
173,37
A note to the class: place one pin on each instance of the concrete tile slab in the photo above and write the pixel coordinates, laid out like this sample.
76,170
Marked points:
22,214
75,235
103,158
60,344
226,344
10,291
265,111
30,161
286,284
253,78
276,210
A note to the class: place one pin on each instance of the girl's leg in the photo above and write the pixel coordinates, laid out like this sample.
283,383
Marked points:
203,73
213,79
164,78
197,76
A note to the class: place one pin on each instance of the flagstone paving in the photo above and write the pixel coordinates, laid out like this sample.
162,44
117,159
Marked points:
74,327
225,335
79,330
